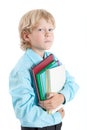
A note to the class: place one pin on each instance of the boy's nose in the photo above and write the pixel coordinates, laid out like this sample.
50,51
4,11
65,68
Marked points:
47,33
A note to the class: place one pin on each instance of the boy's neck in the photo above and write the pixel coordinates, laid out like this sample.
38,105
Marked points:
41,53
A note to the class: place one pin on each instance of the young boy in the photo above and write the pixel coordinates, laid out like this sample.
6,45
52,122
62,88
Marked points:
36,33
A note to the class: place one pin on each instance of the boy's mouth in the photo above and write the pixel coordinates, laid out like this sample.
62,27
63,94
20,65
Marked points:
48,41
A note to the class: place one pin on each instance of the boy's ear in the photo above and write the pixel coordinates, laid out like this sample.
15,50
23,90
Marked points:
25,35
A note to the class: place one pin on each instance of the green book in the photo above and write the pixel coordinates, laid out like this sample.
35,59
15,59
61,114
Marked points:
41,80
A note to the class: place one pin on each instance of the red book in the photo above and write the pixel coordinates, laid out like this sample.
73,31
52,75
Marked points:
39,67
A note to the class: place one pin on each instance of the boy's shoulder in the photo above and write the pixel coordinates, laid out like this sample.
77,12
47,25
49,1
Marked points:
22,63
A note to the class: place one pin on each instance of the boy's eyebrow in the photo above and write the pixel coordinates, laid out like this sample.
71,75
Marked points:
51,26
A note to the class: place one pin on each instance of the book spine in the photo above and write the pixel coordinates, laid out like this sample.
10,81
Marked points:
37,90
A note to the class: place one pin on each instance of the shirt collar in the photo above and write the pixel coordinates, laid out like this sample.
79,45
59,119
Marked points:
36,58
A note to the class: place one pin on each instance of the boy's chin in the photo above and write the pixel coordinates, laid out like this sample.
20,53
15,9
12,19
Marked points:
47,48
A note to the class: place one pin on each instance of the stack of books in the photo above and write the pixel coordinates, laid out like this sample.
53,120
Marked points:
49,76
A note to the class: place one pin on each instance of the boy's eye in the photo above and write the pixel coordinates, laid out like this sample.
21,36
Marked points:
50,29
45,30
40,29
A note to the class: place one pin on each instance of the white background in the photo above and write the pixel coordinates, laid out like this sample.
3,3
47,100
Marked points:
70,46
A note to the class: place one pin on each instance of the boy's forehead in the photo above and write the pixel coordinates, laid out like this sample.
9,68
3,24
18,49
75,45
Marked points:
43,22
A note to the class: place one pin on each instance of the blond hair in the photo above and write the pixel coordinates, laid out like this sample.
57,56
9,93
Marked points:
30,20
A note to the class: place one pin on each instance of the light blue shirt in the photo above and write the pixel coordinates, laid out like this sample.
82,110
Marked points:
24,96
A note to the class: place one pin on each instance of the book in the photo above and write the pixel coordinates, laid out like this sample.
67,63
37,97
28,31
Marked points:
39,67
45,72
55,78
41,79
51,79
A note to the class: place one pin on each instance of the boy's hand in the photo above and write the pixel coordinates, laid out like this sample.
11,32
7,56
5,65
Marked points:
53,100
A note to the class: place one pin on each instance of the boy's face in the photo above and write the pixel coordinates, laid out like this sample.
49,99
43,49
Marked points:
42,36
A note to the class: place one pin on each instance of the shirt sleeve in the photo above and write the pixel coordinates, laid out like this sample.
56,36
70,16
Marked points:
70,88
24,102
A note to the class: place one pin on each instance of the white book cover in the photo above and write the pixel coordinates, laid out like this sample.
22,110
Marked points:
55,78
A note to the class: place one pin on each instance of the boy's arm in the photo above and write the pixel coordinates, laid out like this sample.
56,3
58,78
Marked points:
70,88
25,102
